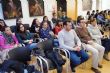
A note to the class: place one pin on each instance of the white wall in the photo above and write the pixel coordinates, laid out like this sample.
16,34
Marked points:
103,5
80,9
48,6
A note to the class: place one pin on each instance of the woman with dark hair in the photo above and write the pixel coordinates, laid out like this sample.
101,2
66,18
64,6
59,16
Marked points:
45,19
2,25
87,15
24,37
35,26
18,21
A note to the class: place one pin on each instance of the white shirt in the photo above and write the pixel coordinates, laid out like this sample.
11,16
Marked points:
68,39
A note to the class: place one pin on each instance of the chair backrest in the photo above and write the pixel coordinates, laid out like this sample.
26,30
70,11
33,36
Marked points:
13,28
26,26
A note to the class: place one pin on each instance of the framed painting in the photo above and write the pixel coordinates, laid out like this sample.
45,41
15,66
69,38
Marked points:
61,7
87,5
11,9
36,7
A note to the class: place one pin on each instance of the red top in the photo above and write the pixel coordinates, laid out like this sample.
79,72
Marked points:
57,29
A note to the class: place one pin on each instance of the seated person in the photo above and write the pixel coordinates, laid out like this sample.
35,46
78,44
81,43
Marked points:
45,32
35,26
97,36
2,25
58,27
64,16
54,19
96,49
25,37
94,31
69,40
108,16
45,19
8,40
101,19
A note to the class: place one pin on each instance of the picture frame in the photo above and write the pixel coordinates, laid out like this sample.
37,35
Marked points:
86,5
11,9
36,8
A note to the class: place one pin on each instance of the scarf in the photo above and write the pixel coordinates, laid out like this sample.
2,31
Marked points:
9,38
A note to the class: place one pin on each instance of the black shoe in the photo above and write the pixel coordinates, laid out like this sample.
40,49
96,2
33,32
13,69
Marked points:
106,57
95,70
100,66
73,70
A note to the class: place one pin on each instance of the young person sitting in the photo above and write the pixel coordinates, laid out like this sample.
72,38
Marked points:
45,19
35,26
96,49
2,25
98,37
45,32
58,27
25,37
69,40
8,40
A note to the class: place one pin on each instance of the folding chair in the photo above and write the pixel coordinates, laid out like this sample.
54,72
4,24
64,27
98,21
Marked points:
49,44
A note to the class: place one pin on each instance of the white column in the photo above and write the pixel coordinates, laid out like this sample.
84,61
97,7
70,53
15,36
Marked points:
48,5
93,4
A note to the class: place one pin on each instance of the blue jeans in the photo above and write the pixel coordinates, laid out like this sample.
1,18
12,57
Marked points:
76,58
106,44
32,46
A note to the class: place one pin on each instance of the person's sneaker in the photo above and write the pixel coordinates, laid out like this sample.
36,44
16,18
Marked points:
100,66
95,70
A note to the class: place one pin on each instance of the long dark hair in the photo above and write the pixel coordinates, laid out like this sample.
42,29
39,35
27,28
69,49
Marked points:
45,17
60,20
3,22
2,28
18,29
17,19
34,23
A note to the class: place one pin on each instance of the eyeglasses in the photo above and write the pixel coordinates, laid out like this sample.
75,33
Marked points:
83,22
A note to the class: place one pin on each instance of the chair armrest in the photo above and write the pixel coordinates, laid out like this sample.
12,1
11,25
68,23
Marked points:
41,64
45,62
65,51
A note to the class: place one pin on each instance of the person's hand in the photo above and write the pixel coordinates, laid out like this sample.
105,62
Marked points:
45,38
90,42
15,46
56,36
77,48
51,33
36,29
30,41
